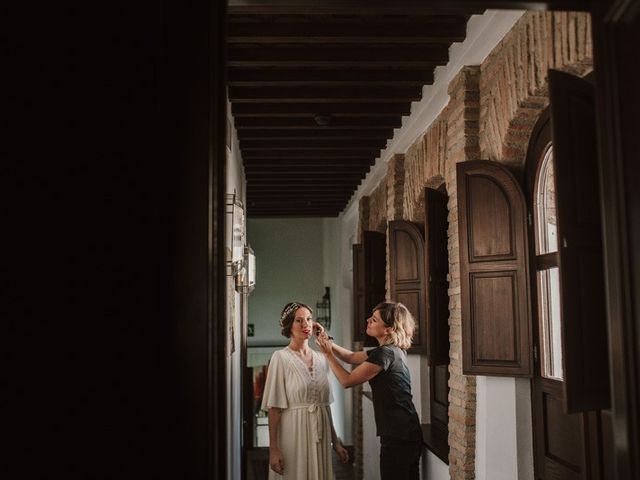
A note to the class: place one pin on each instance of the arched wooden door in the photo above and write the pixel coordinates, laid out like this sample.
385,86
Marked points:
407,275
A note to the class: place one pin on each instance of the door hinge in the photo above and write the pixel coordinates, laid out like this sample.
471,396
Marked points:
530,219
535,354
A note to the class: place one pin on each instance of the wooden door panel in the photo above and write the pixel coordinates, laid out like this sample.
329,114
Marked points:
560,439
494,271
491,213
440,392
407,275
583,316
406,269
493,318
436,271
358,294
374,246
438,323
412,299
557,471
562,433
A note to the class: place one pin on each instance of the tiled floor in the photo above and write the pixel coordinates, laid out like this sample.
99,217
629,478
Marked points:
258,466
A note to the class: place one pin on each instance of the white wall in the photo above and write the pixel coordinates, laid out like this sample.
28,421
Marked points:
504,444
235,183
289,267
346,229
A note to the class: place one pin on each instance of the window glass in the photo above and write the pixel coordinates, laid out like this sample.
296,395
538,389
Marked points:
549,317
545,206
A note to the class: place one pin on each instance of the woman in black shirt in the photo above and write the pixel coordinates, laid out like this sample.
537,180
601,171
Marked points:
385,368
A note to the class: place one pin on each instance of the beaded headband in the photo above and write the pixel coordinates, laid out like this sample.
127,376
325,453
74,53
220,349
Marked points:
288,310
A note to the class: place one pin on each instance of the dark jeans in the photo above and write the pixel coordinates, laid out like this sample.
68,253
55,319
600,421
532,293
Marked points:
400,459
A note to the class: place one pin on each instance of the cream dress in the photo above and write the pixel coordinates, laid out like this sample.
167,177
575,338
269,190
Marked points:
305,426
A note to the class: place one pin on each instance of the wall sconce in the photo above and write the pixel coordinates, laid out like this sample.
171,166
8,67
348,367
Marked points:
323,310
235,234
245,272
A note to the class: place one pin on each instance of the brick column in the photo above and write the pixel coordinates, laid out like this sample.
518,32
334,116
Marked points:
395,206
462,145
395,188
363,216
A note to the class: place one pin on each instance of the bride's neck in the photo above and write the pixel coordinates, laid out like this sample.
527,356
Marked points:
299,345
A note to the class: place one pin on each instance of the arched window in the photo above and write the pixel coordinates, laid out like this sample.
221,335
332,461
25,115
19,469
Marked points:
547,271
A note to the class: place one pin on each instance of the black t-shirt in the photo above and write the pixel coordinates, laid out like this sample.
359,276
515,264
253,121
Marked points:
395,413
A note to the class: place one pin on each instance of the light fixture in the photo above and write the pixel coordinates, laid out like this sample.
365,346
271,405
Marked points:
322,119
245,272
323,310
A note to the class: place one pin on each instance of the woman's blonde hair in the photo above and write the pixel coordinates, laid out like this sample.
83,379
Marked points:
402,323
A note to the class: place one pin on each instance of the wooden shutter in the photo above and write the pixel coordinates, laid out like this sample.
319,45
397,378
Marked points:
374,245
358,293
584,330
407,282
494,275
436,268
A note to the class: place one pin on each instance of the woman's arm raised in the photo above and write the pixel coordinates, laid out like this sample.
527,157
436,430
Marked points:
354,358
344,354
362,373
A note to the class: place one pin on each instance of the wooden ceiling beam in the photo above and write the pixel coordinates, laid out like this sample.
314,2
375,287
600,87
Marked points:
284,194
328,154
409,31
325,94
335,109
315,172
352,57
361,7
329,77
244,124
295,205
346,169
289,203
366,145
319,132
302,190
310,188
397,7
298,195
307,185
304,214
326,175
308,162
328,181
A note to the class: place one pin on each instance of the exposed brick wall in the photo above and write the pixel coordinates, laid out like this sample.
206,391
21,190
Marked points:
462,145
415,166
424,167
395,187
378,209
395,181
514,77
491,114
363,216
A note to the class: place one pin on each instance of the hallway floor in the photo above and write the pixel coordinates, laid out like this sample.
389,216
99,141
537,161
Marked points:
258,468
